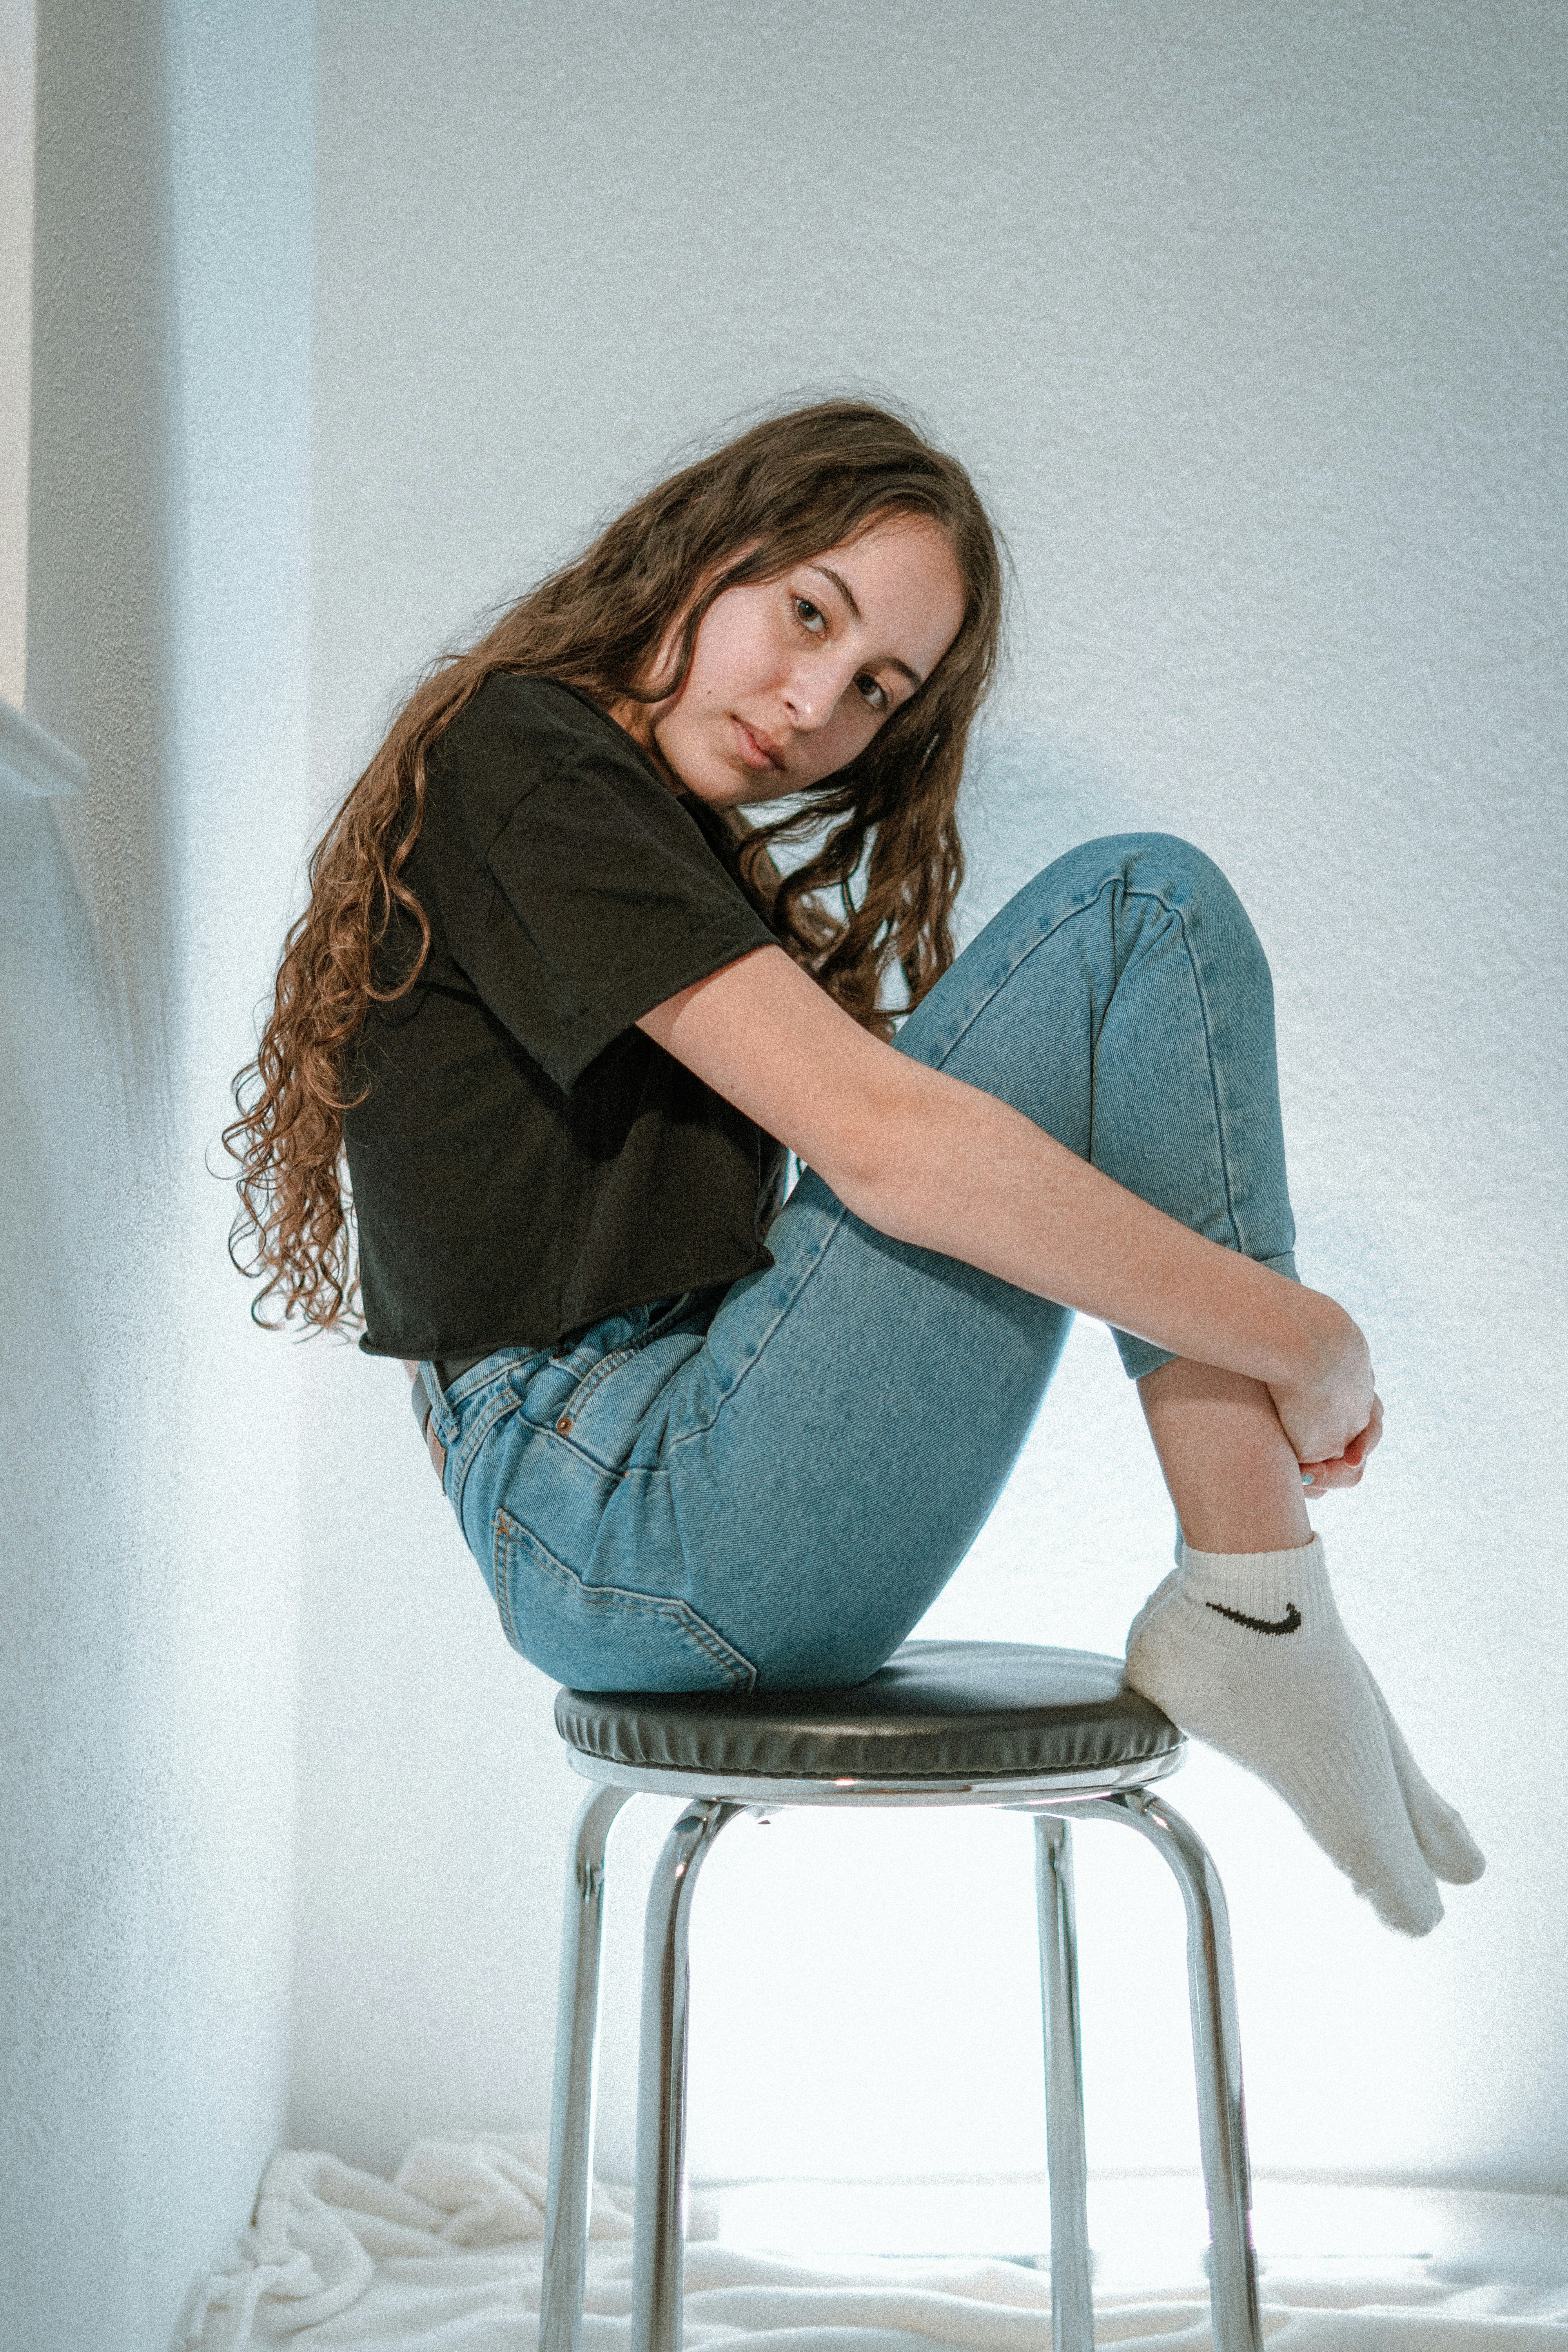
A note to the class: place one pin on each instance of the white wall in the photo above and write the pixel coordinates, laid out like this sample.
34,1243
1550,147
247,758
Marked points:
1245,320
147,1536
16,332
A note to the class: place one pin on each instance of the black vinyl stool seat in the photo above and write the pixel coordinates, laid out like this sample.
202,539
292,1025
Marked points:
1057,1734
938,1710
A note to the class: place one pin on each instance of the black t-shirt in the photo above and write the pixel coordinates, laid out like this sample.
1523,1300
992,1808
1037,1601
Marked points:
525,1160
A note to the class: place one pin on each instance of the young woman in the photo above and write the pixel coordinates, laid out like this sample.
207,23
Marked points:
558,1009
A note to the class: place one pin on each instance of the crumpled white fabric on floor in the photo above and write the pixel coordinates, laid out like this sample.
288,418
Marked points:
447,2257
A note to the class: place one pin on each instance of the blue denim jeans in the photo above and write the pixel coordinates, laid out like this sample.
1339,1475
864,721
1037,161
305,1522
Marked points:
767,1489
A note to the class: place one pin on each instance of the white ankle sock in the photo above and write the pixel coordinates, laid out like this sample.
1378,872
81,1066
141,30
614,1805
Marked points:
1245,1649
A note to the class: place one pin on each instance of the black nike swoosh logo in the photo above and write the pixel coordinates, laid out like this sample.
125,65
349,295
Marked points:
1286,1624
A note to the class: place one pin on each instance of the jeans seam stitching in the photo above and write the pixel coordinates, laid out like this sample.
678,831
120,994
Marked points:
597,1373
804,1284
498,1554
593,1378
1213,1073
1110,883
1156,897
1177,915
500,1407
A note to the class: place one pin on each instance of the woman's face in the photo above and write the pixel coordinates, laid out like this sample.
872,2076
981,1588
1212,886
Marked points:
790,678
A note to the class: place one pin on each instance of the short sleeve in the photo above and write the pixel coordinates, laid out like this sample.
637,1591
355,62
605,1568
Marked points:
604,897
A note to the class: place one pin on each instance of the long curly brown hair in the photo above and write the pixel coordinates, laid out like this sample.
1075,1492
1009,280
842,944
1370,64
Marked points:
874,896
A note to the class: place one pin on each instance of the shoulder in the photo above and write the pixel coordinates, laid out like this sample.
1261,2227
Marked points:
519,738
535,727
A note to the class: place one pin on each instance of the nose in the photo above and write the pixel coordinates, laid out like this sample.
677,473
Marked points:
813,688
803,700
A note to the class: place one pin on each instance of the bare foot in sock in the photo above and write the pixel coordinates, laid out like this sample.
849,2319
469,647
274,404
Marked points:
1247,1652
1451,1849
1451,1852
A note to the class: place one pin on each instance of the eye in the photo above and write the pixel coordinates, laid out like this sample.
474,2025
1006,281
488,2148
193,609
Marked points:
871,694
810,615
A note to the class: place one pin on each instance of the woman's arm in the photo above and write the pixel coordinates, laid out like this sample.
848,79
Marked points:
926,1159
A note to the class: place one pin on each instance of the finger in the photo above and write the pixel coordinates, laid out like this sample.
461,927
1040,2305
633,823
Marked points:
1365,1440
1317,1477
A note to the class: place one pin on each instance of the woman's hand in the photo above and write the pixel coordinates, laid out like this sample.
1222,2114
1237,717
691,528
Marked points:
1346,1468
1329,1410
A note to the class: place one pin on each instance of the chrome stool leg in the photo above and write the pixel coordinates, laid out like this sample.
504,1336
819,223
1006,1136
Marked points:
1216,2053
1072,2302
572,2104
659,2216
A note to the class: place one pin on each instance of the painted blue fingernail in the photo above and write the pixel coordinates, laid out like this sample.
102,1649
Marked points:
1306,1478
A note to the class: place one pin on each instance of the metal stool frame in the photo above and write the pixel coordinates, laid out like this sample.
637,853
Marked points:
1055,1800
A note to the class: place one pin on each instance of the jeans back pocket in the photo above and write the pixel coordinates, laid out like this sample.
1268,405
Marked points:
603,1636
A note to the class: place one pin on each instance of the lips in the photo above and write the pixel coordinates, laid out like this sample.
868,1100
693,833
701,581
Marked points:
757,749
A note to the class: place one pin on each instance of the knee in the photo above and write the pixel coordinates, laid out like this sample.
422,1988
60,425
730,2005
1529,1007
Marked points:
1158,861
1167,854
1163,867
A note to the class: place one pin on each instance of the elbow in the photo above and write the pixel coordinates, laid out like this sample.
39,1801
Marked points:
879,1172
851,1180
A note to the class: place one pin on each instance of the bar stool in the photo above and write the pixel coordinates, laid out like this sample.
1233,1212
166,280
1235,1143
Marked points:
1055,1733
